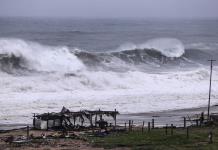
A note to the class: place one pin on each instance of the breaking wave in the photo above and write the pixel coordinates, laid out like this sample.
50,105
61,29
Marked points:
168,47
16,54
19,54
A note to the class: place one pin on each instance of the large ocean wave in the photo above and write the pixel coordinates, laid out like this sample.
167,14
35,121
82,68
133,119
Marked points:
20,55
168,47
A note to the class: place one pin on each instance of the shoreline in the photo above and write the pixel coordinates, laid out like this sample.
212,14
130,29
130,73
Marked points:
161,118
165,117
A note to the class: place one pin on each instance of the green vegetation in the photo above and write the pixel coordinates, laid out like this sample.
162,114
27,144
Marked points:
157,139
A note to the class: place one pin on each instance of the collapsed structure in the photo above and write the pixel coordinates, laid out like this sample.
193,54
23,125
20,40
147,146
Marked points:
69,120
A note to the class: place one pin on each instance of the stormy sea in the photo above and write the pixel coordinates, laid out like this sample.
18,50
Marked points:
133,65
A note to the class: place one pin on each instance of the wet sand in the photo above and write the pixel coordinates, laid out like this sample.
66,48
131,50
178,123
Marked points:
165,117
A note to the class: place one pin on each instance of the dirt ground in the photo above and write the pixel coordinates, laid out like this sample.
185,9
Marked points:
53,141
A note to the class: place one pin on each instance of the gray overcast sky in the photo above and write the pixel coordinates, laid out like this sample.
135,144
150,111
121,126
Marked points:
110,8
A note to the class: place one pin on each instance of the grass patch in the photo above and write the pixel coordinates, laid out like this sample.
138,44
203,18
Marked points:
158,140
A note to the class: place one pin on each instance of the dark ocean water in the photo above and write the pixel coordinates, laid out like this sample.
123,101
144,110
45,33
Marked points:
103,35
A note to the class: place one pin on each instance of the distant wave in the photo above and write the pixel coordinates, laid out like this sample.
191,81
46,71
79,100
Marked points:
80,32
169,47
134,56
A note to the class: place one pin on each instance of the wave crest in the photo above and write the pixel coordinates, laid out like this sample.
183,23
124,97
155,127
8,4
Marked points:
16,53
169,47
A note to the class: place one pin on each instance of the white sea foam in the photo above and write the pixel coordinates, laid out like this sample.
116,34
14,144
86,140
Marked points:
203,46
129,92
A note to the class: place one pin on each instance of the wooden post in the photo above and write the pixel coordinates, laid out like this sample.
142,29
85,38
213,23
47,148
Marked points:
115,120
74,121
202,118
166,129
129,125
132,125
143,124
171,129
211,71
96,119
34,120
184,122
153,123
125,125
91,123
90,117
149,126
82,121
28,132
47,120
187,132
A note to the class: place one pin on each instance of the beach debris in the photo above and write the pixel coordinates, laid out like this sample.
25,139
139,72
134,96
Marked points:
43,135
66,119
19,139
9,139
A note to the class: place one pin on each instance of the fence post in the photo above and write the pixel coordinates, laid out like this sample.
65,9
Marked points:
187,132
125,125
184,122
152,123
129,125
132,126
166,129
28,132
171,129
115,119
149,126
143,124
197,122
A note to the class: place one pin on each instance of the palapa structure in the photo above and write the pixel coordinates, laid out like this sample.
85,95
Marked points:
66,119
